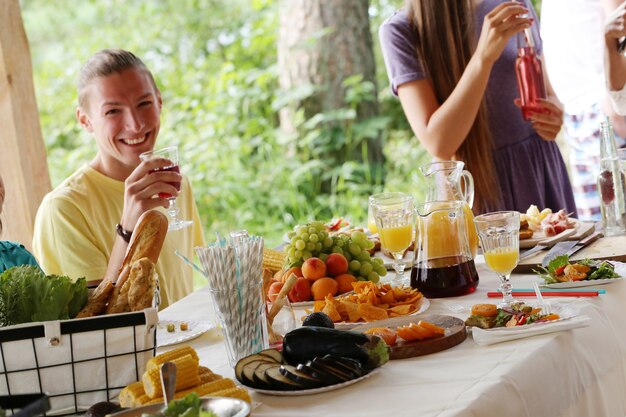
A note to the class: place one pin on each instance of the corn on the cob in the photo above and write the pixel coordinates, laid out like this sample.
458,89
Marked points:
186,376
158,360
206,375
236,392
273,260
131,394
204,389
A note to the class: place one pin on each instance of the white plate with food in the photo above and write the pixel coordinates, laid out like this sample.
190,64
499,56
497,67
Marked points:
569,318
311,391
424,303
605,275
579,231
171,332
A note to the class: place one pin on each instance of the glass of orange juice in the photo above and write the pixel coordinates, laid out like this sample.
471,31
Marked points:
499,238
371,222
394,215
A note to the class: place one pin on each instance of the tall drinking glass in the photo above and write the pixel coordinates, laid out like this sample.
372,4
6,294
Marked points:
499,239
171,154
371,222
394,214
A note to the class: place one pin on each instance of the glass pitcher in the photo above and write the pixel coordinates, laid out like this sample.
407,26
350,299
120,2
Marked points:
443,264
448,181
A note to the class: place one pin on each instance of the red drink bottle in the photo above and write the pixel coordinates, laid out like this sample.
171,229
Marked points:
529,74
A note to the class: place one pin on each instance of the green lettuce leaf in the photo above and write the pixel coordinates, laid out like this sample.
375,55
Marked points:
27,295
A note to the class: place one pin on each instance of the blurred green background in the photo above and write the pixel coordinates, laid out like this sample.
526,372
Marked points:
216,64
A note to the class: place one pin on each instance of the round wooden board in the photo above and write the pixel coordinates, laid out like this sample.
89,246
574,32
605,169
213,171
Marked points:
455,334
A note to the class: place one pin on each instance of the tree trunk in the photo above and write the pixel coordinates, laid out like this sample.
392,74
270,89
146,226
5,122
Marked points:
320,44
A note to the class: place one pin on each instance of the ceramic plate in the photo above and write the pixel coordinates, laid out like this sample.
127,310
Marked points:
195,329
313,390
583,283
424,304
580,229
620,268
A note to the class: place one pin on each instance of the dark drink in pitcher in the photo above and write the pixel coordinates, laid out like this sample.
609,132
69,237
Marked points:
175,184
445,277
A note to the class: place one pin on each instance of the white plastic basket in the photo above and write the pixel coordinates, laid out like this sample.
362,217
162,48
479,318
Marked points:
77,362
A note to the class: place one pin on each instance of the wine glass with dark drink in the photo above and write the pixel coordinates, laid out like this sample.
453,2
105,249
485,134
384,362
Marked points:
171,154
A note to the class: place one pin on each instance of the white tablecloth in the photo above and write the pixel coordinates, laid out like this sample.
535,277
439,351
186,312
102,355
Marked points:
579,372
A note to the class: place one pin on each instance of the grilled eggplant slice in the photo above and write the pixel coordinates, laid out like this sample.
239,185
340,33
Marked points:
300,377
280,381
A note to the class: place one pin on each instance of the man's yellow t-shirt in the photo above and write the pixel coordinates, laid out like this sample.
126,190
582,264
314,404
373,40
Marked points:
75,232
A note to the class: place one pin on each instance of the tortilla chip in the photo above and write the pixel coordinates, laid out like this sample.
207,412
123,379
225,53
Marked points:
330,310
352,311
401,309
372,313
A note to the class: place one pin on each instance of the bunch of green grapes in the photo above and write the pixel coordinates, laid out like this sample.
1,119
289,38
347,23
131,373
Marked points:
360,262
307,241
313,240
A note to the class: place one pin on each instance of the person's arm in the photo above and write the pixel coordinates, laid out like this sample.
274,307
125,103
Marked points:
442,128
614,61
619,122
141,190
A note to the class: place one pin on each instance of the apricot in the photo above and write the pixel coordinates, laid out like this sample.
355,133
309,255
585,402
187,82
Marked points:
322,287
313,269
293,270
301,291
273,290
345,282
336,264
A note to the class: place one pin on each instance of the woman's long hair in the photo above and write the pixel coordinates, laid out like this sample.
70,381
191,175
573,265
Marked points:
446,41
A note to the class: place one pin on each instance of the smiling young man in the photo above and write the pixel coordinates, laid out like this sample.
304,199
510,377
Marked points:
82,227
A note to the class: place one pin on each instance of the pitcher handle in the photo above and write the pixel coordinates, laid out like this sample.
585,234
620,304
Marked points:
468,187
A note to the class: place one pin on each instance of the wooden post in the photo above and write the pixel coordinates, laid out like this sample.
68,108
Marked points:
23,164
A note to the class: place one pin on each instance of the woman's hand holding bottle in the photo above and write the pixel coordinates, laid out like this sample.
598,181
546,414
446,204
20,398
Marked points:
504,21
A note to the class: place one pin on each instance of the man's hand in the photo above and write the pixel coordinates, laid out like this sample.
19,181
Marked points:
142,188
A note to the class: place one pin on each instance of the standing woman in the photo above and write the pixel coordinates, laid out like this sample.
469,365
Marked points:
458,89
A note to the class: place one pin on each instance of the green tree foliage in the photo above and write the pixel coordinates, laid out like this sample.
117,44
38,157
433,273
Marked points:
215,62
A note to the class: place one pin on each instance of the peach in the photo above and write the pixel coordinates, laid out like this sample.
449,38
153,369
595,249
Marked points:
336,264
301,291
293,270
273,290
345,282
324,286
313,269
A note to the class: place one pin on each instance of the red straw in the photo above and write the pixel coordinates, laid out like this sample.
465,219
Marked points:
496,294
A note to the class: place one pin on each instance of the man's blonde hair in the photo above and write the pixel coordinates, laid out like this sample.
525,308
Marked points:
104,63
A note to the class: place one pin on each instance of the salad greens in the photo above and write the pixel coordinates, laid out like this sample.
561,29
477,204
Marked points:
27,295
556,272
189,406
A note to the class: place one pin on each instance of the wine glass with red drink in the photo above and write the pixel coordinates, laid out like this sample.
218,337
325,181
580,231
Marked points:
171,154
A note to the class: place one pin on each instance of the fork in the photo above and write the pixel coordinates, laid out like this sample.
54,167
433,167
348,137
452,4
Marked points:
545,305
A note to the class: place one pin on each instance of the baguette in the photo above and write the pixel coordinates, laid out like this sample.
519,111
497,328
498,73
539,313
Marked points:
147,240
